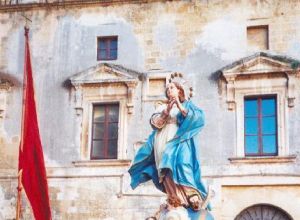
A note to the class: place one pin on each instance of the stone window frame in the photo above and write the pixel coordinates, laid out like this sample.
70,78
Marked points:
154,74
106,40
252,76
282,118
254,21
122,127
105,125
266,26
103,83
260,118
85,113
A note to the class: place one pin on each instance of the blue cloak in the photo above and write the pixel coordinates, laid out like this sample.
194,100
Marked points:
181,155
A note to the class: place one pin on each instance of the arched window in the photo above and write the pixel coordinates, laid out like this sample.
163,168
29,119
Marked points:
263,212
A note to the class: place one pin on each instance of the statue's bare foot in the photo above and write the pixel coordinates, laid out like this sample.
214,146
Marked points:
195,202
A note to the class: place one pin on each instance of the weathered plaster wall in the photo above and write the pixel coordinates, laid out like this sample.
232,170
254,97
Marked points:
194,37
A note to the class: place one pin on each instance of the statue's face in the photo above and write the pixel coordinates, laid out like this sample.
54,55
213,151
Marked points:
172,91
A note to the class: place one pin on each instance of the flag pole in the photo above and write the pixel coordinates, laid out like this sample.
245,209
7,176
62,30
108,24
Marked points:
20,187
31,158
18,213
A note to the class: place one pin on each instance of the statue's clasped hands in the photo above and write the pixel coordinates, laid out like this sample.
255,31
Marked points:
176,101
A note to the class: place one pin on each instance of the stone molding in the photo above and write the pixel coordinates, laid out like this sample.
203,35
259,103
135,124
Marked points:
15,5
101,163
103,83
256,66
104,74
256,160
154,74
258,75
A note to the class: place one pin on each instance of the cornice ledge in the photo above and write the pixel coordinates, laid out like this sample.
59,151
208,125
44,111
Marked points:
101,163
264,159
57,4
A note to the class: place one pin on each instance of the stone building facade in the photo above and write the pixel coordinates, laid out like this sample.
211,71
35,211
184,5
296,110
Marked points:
115,57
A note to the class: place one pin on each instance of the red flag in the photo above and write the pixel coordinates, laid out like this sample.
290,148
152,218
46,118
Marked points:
31,159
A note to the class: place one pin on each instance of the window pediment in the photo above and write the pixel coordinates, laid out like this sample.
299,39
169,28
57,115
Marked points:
105,73
257,65
261,63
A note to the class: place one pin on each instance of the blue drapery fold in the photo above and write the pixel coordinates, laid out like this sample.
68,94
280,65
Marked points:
181,155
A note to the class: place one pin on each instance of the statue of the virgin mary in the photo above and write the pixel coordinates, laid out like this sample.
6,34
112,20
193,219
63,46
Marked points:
170,157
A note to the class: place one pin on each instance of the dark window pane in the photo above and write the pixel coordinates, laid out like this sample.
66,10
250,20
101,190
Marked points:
268,106
101,44
113,130
102,55
98,55
251,125
113,54
98,131
269,144
107,48
98,149
113,44
251,107
268,125
113,114
105,131
99,112
112,149
251,145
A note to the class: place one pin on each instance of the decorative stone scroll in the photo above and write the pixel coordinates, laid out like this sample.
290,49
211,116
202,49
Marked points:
5,86
130,90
